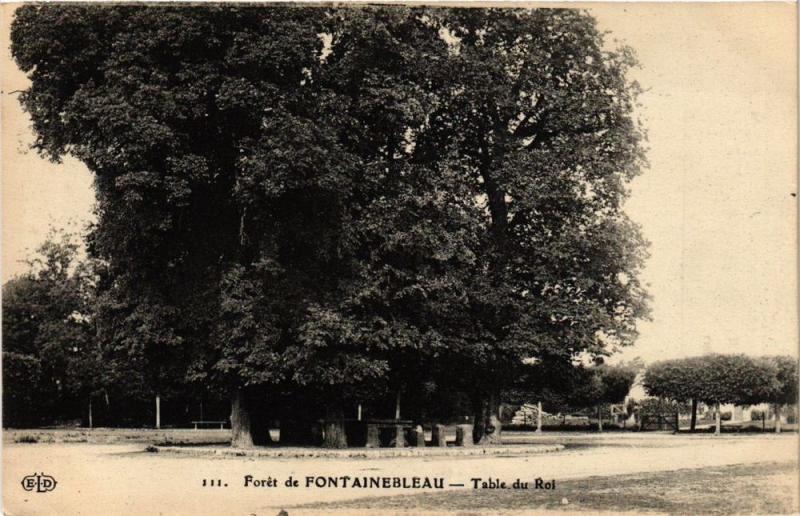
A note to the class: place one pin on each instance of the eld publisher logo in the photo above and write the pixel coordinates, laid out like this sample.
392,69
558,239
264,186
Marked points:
39,483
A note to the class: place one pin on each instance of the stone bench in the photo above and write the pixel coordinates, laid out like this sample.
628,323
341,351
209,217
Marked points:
201,423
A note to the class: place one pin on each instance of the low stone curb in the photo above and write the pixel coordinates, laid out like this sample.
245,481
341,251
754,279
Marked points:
360,453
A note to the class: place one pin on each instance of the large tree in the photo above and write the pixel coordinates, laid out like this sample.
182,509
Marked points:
329,199
235,153
541,114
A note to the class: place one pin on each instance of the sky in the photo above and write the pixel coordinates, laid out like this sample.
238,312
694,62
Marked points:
716,203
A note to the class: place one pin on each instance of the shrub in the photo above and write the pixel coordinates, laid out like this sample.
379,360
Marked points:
726,416
757,415
31,439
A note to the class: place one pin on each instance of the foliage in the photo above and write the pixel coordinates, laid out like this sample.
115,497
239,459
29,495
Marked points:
674,379
657,407
49,356
617,382
714,378
736,379
328,199
787,382
540,117
565,387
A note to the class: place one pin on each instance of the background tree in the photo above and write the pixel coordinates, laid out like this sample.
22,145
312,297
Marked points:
717,379
784,391
602,385
616,381
51,364
736,379
678,380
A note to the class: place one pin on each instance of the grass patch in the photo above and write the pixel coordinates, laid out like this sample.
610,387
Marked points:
767,488
26,438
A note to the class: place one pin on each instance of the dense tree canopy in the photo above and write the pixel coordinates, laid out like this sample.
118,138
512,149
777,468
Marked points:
322,199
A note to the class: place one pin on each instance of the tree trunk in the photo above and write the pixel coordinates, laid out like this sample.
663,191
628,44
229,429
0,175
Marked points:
718,418
492,427
91,423
335,436
694,415
599,418
158,412
249,426
241,433
539,417
777,418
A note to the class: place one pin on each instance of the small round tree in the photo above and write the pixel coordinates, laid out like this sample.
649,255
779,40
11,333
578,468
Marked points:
676,380
786,385
736,379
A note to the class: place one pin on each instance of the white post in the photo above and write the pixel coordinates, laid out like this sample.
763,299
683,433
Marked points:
158,412
599,418
539,417
777,418
91,424
359,411
718,418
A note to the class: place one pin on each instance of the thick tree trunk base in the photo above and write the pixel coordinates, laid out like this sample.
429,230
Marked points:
249,425
241,434
491,425
492,433
334,434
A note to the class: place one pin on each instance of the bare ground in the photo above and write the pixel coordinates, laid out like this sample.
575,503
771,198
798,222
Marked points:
764,488
123,479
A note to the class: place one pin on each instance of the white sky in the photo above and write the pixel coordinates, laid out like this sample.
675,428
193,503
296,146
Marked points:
716,203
